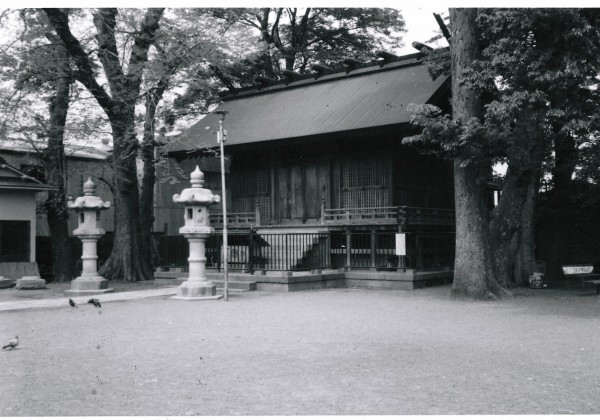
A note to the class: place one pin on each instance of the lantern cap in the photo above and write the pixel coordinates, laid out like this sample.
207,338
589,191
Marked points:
196,195
197,178
88,200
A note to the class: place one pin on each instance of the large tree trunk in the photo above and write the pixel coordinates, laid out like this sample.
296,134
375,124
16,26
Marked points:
511,217
473,266
126,261
506,224
565,152
149,174
525,263
55,169
562,177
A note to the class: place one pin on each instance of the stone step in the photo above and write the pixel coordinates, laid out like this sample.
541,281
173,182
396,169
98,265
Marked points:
233,284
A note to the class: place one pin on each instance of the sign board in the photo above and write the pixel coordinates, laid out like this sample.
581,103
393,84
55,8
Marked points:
577,269
400,244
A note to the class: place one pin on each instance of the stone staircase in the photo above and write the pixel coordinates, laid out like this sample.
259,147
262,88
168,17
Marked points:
286,251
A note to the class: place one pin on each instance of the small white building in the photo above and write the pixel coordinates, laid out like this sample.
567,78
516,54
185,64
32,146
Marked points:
17,222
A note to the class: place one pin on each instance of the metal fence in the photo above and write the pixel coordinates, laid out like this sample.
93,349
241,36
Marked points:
250,251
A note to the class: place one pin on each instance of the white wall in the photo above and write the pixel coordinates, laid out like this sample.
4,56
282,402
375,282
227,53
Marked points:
20,205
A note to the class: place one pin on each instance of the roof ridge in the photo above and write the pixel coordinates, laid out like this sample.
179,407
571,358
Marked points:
340,71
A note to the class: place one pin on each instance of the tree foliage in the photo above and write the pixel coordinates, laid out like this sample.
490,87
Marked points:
141,56
536,75
38,90
294,39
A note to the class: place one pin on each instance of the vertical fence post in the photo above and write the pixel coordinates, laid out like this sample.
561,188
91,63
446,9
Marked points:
219,251
327,250
251,251
348,249
373,250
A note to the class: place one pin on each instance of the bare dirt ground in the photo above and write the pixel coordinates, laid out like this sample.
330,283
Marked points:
320,352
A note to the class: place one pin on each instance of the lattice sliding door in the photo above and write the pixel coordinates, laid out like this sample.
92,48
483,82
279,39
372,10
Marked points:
365,183
251,189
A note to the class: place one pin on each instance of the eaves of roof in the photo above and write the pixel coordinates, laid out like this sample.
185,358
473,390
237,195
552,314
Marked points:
375,96
17,180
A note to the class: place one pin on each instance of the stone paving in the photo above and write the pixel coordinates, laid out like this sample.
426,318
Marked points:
105,297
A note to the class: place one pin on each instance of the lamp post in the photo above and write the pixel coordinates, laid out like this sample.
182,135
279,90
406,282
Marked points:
221,136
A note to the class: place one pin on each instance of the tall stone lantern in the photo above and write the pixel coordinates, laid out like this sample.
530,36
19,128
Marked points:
88,209
196,229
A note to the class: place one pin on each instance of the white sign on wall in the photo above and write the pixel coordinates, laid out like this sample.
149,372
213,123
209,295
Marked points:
400,244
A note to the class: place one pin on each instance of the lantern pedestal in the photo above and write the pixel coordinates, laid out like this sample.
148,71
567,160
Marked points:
89,286
196,286
90,282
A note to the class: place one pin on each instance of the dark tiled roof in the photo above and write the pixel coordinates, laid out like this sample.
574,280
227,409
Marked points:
373,96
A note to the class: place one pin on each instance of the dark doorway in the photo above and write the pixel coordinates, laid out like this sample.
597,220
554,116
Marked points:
14,240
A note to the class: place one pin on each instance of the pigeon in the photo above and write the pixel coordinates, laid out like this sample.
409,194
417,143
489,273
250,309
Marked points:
95,302
72,303
12,343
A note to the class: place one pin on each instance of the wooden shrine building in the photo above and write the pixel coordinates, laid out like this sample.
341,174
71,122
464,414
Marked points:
322,154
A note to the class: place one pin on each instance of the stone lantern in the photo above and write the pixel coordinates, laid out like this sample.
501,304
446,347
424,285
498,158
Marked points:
196,229
88,209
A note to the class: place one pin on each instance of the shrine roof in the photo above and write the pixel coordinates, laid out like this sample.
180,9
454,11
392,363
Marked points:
368,97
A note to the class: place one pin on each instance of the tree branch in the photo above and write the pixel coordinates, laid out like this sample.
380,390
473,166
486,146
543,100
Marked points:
139,52
85,75
105,23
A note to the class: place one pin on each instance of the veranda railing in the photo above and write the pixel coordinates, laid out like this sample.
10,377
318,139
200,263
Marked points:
357,215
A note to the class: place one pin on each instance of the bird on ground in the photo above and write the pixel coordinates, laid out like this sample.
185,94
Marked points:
72,303
12,343
95,302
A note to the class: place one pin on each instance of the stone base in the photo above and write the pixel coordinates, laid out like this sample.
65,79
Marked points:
31,282
6,283
197,290
215,297
89,286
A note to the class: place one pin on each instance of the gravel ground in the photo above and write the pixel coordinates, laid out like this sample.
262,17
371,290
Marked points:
320,352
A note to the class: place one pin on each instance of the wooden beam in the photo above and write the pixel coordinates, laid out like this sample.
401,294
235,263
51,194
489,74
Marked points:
351,64
290,76
421,47
442,26
265,81
320,70
388,57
